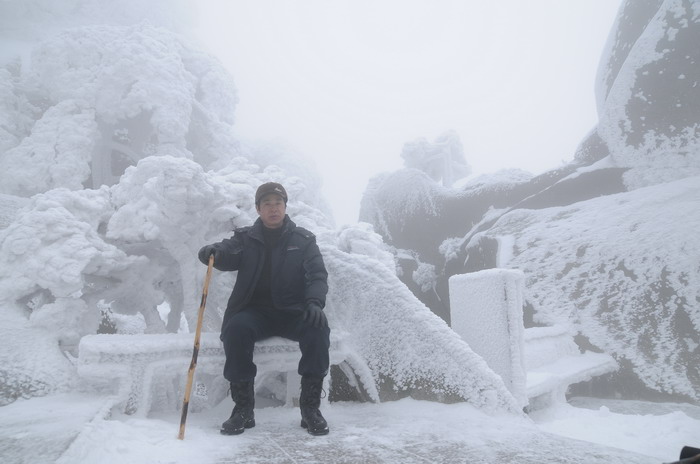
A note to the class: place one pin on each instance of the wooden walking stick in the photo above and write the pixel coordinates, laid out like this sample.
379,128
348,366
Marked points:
195,351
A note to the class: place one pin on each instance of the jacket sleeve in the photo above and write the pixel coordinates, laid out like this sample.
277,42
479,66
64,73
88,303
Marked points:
315,276
229,250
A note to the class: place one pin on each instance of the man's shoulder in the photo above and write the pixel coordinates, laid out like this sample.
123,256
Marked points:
305,233
242,230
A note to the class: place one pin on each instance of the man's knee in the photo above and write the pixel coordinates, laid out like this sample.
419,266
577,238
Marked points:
241,325
316,336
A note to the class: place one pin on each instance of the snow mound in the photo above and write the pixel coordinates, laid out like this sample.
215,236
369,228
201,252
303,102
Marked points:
35,365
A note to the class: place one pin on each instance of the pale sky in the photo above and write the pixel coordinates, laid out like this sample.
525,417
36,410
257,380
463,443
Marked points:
347,83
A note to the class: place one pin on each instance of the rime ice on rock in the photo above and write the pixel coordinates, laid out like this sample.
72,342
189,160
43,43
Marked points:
647,91
622,270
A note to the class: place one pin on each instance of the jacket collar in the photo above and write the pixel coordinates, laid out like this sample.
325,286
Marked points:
256,231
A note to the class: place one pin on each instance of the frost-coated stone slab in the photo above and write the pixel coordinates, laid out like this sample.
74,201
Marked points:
487,312
150,368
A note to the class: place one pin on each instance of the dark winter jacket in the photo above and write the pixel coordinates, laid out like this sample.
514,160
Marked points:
298,277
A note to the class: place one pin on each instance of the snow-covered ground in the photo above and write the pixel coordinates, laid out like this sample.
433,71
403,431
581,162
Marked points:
71,429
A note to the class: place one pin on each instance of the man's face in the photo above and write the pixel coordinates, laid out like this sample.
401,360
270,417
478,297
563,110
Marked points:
272,210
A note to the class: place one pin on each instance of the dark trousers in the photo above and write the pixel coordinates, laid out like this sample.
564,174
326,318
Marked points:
250,325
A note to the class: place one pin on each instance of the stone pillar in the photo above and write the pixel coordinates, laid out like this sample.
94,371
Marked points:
486,310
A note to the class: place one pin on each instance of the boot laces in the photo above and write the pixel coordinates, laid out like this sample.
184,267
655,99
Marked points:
311,394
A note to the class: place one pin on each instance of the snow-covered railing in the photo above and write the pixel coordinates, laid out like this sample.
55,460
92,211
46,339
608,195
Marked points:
148,371
538,364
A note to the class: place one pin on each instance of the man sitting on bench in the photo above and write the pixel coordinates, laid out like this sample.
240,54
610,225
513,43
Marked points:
280,291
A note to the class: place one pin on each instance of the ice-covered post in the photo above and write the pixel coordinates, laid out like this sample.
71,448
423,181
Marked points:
487,312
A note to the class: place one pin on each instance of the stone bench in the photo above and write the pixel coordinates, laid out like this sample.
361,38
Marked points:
536,364
148,371
554,362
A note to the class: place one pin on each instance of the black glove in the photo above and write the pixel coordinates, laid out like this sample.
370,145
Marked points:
206,251
314,315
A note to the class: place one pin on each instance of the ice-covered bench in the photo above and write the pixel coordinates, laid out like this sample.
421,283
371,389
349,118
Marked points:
537,364
554,362
148,371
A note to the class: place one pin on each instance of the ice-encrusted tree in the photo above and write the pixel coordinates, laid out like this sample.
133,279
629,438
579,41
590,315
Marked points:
105,97
443,159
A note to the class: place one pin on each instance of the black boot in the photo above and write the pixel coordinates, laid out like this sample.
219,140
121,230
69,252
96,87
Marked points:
242,417
309,402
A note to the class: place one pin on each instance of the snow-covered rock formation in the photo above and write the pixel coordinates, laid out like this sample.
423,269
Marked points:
606,241
623,268
647,91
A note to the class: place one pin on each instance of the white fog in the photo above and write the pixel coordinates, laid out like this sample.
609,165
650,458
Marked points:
349,83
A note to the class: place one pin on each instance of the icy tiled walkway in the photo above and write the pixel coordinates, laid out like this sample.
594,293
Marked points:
40,430
278,446
365,437
70,429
